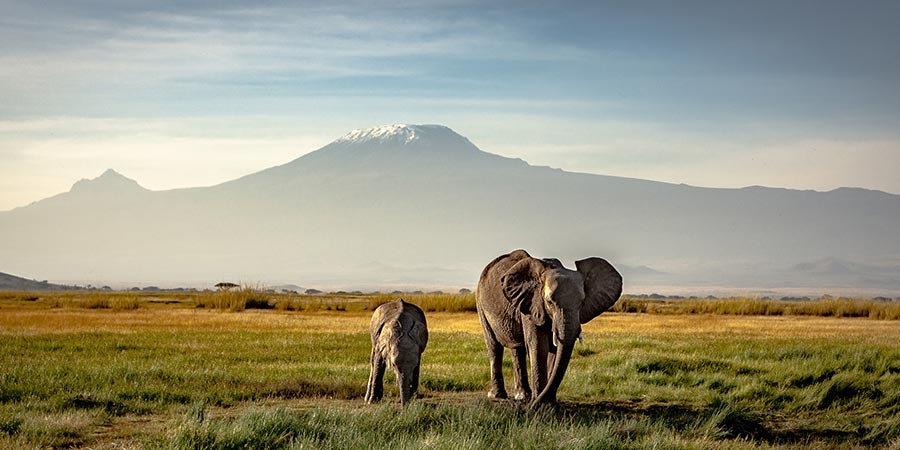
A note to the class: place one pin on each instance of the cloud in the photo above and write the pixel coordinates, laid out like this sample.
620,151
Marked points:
114,60
221,89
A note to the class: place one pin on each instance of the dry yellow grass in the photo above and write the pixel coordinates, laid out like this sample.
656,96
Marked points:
73,320
744,326
824,307
67,313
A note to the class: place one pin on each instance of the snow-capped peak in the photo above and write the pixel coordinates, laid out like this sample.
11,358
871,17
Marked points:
400,133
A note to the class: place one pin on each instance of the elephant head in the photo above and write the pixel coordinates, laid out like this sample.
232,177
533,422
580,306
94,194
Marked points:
399,335
405,355
548,294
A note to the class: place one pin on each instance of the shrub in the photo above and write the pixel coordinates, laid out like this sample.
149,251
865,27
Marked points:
234,300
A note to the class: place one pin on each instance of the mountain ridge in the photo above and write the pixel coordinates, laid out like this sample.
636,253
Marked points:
408,204
405,134
9,282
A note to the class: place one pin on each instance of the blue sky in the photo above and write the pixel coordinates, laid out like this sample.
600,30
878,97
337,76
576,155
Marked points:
726,94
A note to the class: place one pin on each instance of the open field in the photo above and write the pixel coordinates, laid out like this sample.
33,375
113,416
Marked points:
113,370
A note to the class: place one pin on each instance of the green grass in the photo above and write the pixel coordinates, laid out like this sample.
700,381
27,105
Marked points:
767,391
286,387
478,425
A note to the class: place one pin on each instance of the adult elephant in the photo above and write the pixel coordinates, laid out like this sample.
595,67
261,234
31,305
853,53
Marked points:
537,306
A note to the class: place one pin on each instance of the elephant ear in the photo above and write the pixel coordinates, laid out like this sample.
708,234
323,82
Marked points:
602,287
520,285
552,263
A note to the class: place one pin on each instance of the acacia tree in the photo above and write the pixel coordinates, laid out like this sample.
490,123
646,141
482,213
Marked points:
225,285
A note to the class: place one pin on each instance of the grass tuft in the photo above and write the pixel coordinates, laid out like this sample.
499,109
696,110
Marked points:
729,421
10,424
234,300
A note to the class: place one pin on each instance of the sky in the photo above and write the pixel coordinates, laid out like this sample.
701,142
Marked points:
799,94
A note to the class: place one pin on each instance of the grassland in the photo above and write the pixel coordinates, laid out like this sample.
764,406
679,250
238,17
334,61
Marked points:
249,370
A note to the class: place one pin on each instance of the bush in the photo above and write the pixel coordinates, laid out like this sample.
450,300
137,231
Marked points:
234,300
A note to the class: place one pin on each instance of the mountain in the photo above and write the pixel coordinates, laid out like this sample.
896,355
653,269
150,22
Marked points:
13,283
286,288
110,188
837,272
420,204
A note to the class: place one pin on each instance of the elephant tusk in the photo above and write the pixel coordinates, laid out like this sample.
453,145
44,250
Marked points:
555,339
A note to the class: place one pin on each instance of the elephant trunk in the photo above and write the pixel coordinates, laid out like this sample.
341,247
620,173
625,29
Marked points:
565,338
569,331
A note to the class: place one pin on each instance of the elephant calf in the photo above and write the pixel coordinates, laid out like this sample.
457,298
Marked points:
399,335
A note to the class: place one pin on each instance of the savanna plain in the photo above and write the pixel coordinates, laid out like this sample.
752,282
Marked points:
247,369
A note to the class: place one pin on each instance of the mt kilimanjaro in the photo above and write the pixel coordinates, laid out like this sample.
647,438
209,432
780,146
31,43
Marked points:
422,205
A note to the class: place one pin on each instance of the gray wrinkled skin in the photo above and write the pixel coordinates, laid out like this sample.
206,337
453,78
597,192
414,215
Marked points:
399,335
535,307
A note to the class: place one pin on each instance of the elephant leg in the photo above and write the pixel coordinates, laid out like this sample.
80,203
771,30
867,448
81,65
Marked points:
375,390
415,382
523,391
537,342
495,356
403,384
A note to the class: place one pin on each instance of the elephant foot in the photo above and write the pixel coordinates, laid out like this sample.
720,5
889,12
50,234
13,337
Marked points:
373,398
498,394
522,396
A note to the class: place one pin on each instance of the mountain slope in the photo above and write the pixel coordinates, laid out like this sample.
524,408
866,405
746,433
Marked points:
385,203
13,283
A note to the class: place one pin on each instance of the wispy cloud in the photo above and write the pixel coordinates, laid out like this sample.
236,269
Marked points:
687,94
79,59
